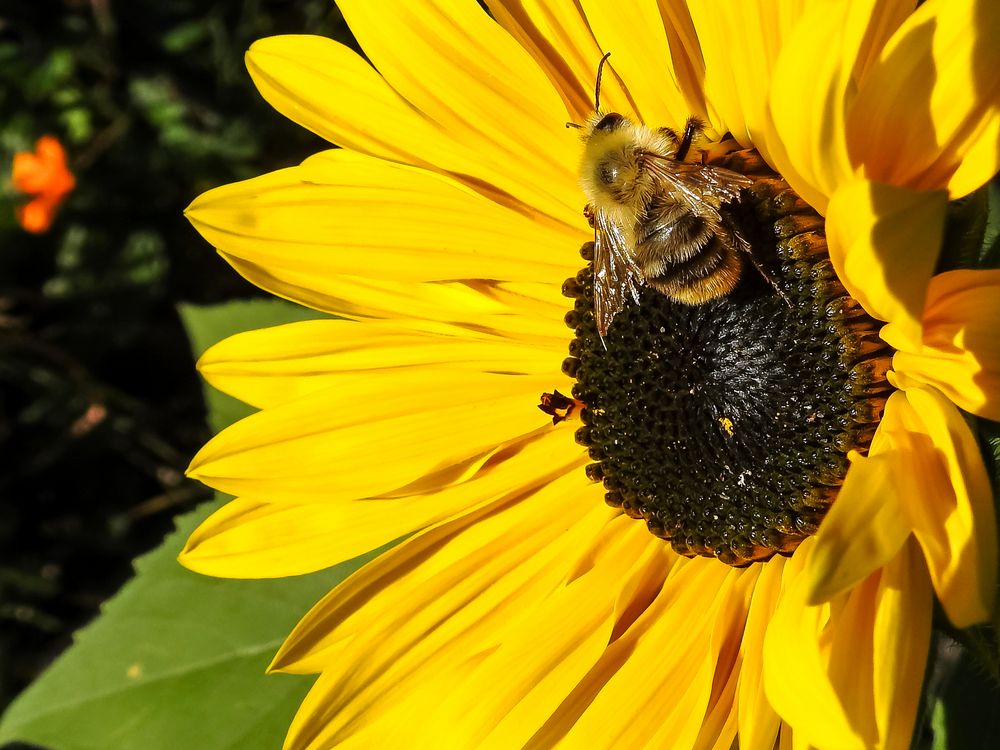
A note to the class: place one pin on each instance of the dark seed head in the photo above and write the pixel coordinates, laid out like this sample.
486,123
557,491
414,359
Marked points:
725,425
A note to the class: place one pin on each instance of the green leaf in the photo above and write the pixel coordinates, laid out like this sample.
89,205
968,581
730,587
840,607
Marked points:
176,660
990,253
939,728
185,36
207,325
964,228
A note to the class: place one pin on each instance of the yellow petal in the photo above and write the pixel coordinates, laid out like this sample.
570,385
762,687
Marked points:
688,64
466,74
901,639
862,531
328,88
270,366
719,726
719,729
653,685
494,308
889,16
474,581
729,617
741,43
952,515
804,670
758,722
562,43
344,213
247,539
413,568
928,113
548,650
786,740
848,673
636,35
884,242
959,353
813,90
331,90
372,435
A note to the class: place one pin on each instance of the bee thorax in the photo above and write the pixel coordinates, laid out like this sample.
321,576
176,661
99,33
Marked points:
672,233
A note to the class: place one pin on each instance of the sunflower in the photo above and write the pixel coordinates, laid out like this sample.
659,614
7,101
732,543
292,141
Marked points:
528,604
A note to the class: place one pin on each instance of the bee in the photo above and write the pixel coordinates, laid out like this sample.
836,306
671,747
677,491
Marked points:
657,218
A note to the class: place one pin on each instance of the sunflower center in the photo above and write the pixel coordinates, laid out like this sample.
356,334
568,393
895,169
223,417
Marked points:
726,425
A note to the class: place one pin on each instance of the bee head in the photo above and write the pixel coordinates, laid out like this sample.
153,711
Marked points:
609,122
612,173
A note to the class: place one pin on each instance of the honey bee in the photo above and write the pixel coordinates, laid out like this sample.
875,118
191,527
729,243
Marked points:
656,217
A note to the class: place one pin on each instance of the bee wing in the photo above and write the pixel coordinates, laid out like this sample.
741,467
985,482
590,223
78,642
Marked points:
616,275
701,187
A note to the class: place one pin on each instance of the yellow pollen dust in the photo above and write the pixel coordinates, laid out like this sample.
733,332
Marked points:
727,424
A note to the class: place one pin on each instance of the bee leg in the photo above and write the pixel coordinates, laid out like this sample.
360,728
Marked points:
769,278
692,129
747,249
588,213
671,135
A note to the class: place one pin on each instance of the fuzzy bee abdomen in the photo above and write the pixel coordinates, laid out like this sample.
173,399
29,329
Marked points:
684,255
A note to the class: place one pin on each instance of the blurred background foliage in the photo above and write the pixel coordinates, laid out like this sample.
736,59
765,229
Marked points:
100,406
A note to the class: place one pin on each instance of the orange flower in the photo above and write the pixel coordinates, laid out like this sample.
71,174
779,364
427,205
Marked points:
44,176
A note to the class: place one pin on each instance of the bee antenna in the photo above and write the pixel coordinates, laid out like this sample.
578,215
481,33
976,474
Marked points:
597,88
574,125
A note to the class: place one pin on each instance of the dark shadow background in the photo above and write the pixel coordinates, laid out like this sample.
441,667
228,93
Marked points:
100,406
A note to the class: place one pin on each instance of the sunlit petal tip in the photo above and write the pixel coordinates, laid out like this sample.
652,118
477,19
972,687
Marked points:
204,364
194,559
225,354
190,555
287,45
199,465
205,200
285,65
185,558
194,467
